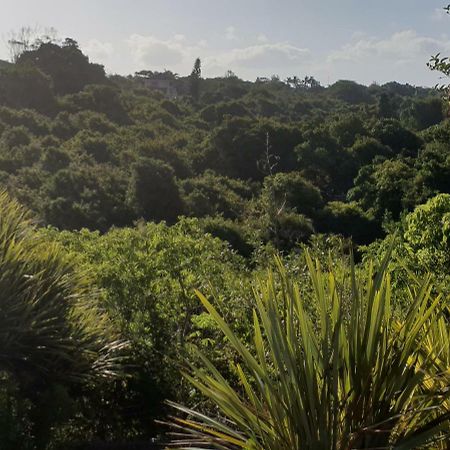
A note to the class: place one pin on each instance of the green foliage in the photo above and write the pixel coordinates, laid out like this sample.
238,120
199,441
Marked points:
148,275
152,188
423,113
233,233
291,190
427,233
26,87
258,167
401,140
388,105
55,159
69,70
366,149
195,80
386,186
86,196
434,164
325,162
53,334
350,92
210,194
237,147
349,220
288,230
36,123
351,379
420,243
103,99
15,430
15,136
111,150
347,129
45,306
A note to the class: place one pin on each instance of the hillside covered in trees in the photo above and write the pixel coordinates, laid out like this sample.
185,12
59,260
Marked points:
269,161
126,199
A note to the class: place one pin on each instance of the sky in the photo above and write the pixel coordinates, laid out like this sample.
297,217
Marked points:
363,40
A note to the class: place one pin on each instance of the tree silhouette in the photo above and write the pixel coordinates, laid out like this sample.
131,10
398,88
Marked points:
195,77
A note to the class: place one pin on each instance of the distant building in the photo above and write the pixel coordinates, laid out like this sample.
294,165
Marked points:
165,86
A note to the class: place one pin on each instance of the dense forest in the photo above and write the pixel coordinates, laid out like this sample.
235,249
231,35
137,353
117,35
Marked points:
202,230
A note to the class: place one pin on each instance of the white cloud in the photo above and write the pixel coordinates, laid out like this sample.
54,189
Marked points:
98,50
262,38
178,54
230,33
269,56
149,51
401,47
175,53
179,38
356,35
401,56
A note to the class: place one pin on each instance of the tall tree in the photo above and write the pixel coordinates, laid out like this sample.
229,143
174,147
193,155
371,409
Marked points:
196,75
66,65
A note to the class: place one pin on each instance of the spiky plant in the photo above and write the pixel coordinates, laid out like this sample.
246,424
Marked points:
50,328
436,348
351,381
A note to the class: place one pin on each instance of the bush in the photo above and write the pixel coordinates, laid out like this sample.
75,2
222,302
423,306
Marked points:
228,231
210,194
287,230
350,376
349,220
293,191
148,275
26,87
427,233
52,333
152,188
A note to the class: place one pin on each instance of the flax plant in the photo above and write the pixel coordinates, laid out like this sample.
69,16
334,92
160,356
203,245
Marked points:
436,348
51,328
350,377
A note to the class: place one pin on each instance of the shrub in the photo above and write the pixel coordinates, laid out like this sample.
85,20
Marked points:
52,333
347,377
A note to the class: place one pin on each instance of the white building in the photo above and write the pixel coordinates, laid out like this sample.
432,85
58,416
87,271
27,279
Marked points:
165,86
